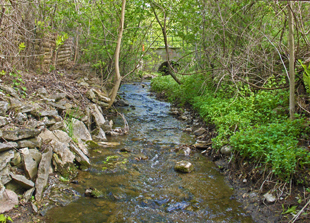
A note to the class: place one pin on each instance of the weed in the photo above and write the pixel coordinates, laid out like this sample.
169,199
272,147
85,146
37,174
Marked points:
4,219
255,123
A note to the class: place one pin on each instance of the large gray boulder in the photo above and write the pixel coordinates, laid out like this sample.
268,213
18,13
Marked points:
43,172
80,131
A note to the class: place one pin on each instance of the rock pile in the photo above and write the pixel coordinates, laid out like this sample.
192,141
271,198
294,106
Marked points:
42,134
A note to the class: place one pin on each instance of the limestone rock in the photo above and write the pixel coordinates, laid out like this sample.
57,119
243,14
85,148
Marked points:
31,162
4,106
47,136
82,145
62,137
42,91
57,126
99,119
90,94
43,172
30,143
202,144
81,156
21,118
80,131
8,202
226,150
61,149
101,96
16,104
100,136
3,120
57,106
270,198
28,194
5,175
184,166
18,134
22,180
5,158
48,122
17,160
58,96
9,90
7,146
49,112
200,131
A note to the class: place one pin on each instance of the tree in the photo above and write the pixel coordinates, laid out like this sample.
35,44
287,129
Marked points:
118,78
291,59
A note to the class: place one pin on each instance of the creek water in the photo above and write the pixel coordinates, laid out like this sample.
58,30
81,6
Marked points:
142,185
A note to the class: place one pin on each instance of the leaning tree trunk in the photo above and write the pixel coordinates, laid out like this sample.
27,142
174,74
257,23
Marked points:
163,28
291,59
118,78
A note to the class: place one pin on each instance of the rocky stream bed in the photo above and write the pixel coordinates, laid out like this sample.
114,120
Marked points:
63,159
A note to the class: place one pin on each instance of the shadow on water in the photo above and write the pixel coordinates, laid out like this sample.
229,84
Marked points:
141,185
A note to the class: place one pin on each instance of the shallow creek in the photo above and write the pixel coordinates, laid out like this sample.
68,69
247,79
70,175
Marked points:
141,185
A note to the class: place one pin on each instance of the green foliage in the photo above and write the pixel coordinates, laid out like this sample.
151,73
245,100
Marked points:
60,40
290,210
21,46
17,81
70,114
306,76
4,219
255,123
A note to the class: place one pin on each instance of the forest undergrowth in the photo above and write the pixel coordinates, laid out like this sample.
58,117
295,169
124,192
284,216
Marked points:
268,148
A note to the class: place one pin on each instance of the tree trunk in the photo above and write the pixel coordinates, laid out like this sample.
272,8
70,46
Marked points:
163,28
118,78
291,59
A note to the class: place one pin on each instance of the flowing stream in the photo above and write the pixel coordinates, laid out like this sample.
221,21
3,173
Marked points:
142,185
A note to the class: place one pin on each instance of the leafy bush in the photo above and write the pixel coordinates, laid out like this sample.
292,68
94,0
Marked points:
255,123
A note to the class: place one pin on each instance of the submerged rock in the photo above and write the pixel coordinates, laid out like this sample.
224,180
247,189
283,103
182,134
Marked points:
184,166
178,206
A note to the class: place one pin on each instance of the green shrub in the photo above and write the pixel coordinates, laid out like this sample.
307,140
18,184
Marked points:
255,123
